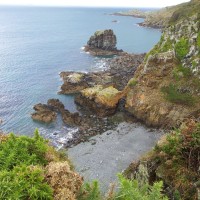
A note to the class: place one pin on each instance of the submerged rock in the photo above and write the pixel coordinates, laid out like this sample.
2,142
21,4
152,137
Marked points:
102,43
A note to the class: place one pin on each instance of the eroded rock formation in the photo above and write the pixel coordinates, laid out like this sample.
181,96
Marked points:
103,43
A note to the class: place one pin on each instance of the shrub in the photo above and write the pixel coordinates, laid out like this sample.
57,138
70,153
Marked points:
24,183
16,151
174,95
130,190
90,192
179,159
167,46
182,48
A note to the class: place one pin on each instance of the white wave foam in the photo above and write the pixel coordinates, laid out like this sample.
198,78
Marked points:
60,137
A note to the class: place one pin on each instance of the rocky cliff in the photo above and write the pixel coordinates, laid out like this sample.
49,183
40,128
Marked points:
168,81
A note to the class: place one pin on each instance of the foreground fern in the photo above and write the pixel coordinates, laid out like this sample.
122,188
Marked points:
130,190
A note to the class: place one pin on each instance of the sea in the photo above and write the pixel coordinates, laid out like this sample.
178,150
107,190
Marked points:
37,43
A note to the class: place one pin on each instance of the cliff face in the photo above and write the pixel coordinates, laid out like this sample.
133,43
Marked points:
168,81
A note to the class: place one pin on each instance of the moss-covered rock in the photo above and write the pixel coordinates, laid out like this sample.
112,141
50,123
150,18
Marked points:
102,101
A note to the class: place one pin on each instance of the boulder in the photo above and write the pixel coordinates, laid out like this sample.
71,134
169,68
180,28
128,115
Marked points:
102,101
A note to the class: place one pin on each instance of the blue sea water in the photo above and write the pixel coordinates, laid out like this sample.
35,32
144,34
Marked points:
36,44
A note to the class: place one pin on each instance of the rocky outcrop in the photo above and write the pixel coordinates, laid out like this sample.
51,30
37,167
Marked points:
43,113
56,105
173,64
102,43
73,82
47,113
102,101
119,71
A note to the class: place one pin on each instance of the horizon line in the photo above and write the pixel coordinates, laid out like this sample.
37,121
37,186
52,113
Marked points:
73,6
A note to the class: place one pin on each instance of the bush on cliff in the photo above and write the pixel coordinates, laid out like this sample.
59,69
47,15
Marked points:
128,190
182,48
179,159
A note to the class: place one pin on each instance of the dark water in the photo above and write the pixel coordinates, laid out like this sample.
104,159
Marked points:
38,43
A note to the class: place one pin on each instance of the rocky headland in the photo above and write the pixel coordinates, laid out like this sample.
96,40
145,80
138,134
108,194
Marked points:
161,18
133,13
103,43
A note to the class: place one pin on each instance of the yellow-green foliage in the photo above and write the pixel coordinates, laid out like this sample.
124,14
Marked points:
128,190
182,48
133,82
21,162
24,183
16,151
131,190
167,46
31,169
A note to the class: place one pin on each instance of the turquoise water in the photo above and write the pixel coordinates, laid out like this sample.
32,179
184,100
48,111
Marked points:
36,44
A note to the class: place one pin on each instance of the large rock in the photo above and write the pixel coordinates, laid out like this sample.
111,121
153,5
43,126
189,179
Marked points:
102,43
43,113
105,40
102,101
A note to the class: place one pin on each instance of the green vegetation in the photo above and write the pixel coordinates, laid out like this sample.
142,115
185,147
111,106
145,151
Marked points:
128,190
24,183
185,10
21,174
182,48
131,190
90,191
31,169
132,82
153,51
182,72
173,94
198,40
179,159
22,150
167,46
